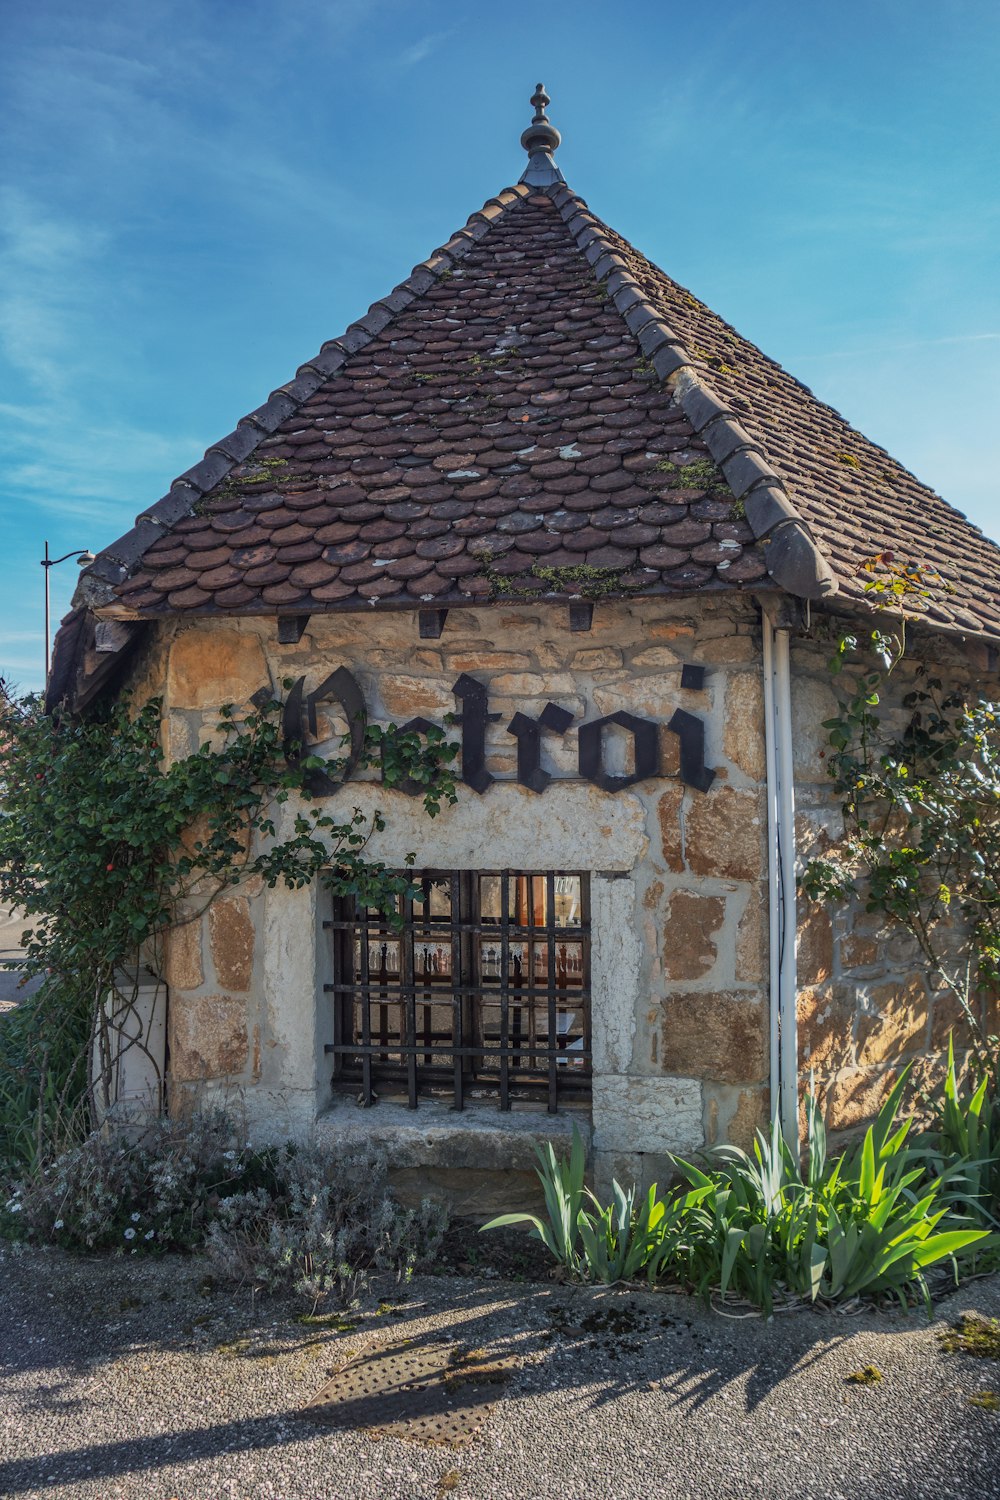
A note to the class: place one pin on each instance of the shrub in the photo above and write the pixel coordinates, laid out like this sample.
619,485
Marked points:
150,1195
285,1217
331,1222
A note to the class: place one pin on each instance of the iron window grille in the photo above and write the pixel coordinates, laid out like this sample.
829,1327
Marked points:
481,989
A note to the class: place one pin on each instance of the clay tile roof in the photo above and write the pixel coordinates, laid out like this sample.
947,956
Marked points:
536,410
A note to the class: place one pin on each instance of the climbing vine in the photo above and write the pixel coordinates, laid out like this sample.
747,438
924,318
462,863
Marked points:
920,794
104,847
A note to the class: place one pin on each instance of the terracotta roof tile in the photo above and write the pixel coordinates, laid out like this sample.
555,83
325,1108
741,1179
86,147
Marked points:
535,396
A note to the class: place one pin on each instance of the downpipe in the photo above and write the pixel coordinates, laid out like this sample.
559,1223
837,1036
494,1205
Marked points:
782,922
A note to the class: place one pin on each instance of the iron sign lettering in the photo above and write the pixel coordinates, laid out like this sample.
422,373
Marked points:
300,724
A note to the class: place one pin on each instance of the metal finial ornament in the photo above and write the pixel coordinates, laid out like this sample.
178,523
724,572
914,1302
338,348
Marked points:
540,140
541,101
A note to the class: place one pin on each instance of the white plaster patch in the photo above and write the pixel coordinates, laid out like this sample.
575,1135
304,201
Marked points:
569,827
647,1114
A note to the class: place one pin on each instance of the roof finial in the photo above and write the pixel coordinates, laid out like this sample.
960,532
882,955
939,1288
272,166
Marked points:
539,140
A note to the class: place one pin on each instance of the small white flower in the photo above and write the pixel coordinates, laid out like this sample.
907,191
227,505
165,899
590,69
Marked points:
58,1224
136,1218
150,1234
14,1208
229,1156
130,1234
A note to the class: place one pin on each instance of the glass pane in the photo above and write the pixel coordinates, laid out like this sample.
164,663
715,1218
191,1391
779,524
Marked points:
568,901
431,960
433,900
383,960
517,964
490,897
489,960
527,900
569,965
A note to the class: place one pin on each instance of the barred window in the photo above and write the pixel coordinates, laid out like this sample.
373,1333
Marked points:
484,991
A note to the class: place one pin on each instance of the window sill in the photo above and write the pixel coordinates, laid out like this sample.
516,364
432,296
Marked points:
481,1136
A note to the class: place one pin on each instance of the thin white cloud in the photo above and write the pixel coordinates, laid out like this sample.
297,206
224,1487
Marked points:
421,50
45,262
79,470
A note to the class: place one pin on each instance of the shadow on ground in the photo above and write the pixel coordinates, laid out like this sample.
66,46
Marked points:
73,1327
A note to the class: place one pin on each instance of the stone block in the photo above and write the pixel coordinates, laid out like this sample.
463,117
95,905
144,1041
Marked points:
743,732
728,651
406,697
817,830
593,657
487,660
749,1116
734,1115
430,660
857,951
210,667
208,1037
435,1137
652,697
633,1114
231,932
670,753
753,938
176,738
826,1030
813,943
725,834
184,970
671,827
721,1037
690,934
813,701
949,1018
669,630
623,1167
656,656
856,1095
469,1192
898,1027
532,685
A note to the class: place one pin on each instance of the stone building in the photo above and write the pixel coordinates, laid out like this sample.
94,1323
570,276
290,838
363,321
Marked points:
542,486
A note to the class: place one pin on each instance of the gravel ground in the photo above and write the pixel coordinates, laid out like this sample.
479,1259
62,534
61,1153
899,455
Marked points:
128,1379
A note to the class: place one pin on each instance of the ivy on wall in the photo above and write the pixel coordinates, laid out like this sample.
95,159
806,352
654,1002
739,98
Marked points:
104,848
920,795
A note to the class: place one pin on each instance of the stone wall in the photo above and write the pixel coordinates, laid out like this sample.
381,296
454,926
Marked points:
679,912
865,1007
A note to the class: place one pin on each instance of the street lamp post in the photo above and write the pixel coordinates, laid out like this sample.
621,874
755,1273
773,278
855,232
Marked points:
83,556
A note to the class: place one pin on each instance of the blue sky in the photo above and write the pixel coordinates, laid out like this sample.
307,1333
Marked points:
193,196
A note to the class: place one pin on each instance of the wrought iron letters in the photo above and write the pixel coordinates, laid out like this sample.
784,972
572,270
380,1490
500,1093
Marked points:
299,717
300,721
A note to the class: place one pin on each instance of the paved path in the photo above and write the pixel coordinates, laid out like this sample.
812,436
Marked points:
119,1379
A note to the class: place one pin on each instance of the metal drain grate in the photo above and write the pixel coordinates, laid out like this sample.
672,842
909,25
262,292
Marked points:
427,1392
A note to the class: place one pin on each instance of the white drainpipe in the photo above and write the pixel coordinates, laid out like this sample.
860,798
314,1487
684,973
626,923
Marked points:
784,1045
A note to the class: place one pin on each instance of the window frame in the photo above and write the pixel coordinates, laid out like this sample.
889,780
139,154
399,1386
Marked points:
456,1061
